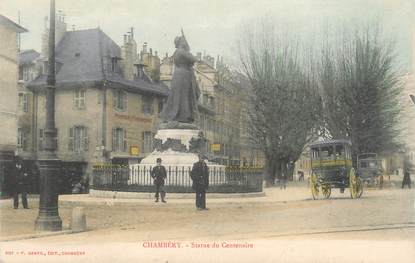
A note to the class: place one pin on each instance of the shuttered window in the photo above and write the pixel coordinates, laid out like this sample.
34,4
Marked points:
120,100
79,98
119,140
78,139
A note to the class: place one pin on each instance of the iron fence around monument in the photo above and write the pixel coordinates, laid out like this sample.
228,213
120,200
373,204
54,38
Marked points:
221,180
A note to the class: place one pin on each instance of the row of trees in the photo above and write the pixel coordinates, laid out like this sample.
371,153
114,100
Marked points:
347,88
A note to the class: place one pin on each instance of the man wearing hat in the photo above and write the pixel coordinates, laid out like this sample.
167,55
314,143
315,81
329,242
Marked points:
200,178
159,174
19,183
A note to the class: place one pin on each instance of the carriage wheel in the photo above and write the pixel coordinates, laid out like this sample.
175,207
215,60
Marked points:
353,184
326,190
314,186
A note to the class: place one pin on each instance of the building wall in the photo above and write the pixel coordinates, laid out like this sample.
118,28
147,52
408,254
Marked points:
8,87
133,120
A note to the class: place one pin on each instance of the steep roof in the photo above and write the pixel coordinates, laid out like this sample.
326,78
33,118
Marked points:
85,57
12,25
28,56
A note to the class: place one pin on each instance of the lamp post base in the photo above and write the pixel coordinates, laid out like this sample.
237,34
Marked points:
48,223
48,219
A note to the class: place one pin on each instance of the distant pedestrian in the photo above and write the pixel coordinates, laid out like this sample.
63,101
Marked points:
381,181
283,182
406,179
19,184
159,174
300,176
200,178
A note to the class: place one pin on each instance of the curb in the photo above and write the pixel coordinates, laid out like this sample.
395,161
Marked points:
39,235
114,195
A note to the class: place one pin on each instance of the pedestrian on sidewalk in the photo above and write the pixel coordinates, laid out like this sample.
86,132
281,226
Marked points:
283,182
406,179
200,178
159,174
19,184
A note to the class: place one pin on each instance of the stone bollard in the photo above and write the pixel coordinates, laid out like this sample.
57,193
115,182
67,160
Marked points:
78,222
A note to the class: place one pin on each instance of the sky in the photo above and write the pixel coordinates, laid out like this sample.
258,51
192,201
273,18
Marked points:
214,26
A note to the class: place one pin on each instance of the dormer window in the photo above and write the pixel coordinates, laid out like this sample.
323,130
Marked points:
114,64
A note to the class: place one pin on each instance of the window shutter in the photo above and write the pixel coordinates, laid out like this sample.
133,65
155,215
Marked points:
114,98
114,139
125,140
40,139
71,139
24,140
75,98
124,105
86,141
25,106
82,98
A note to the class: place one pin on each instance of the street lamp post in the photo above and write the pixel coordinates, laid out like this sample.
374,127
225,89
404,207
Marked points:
49,165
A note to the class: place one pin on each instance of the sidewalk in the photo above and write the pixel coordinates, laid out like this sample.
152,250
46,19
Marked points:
105,213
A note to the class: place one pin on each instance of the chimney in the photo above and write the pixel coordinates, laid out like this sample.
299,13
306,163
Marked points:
151,51
125,39
145,48
61,26
132,32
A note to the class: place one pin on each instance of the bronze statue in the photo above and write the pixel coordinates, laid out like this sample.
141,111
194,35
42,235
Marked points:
181,106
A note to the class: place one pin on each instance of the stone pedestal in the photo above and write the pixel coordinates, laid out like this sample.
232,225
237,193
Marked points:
78,220
178,150
176,147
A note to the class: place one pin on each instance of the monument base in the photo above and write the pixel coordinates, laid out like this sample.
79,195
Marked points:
175,147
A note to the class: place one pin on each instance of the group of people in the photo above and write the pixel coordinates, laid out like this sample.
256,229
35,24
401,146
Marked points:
200,181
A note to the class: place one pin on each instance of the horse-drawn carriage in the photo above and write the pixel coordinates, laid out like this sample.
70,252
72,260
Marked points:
369,168
332,167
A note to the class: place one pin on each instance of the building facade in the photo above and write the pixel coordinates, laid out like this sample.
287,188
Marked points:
106,105
8,100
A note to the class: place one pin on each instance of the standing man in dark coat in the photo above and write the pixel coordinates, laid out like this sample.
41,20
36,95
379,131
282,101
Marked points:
20,180
159,174
200,178
406,179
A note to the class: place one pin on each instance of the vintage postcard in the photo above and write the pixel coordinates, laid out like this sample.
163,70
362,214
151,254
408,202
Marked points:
207,131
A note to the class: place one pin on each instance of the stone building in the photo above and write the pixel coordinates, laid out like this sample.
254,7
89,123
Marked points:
106,107
8,100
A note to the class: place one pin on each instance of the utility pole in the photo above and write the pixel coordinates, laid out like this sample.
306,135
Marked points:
49,164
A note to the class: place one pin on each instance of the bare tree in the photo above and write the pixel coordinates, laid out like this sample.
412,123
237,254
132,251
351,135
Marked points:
361,86
285,103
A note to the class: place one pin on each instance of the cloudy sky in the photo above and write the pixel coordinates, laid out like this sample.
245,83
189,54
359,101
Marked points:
212,25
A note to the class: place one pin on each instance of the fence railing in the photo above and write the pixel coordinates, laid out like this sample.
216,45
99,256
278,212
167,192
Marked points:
138,179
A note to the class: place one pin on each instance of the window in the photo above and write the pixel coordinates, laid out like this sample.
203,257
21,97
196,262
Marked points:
147,105
119,140
147,142
120,100
41,137
114,64
327,152
23,102
78,139
339,151
21,139
26,74
160,106
79,98
316,153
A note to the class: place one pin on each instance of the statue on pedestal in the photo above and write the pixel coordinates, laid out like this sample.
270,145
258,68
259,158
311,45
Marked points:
180,111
